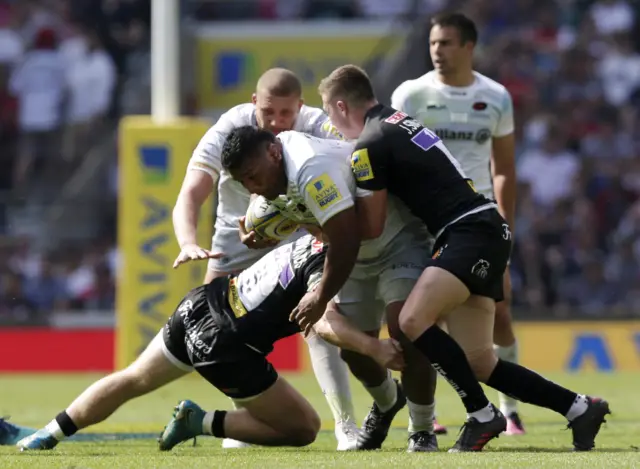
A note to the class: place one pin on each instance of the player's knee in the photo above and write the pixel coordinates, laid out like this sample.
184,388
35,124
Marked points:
412,325
482,362
306,430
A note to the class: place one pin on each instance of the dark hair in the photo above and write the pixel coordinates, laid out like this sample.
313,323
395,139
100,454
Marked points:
465,26
242,143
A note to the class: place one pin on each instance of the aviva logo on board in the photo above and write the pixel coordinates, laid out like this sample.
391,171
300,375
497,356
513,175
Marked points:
235,69
154,162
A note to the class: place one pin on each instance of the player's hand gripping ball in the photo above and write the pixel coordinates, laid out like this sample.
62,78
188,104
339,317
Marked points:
267,221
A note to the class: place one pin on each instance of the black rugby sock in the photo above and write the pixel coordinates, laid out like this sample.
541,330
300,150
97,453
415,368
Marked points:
528,386
449,360
68,427
217,425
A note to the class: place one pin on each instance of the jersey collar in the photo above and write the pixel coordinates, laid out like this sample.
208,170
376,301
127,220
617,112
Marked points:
373,111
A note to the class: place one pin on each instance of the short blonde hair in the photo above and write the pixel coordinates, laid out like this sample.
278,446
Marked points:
280,82
349,83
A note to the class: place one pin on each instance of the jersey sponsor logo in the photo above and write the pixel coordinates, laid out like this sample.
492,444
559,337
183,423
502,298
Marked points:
479,106
396,117
317,247
410,125
324,191
234,300
330,129
480,137
425,139
436,107
361,165
286,276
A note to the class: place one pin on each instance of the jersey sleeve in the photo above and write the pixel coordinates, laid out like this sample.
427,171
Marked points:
325,188
401,99
505,125
206,156
369,163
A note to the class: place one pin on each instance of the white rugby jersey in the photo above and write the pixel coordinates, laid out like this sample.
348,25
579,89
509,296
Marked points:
465,118
233,198
321,185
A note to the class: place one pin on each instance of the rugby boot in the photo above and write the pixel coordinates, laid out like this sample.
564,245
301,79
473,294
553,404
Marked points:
438,429
514,425
185,425
347,435
585,428
10,434
40,440
475,435
377,423
422,442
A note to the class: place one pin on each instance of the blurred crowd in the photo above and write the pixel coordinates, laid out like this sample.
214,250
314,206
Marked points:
572,66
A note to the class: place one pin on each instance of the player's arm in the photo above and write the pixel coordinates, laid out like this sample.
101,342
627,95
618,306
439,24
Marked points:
327,196
339,331
503,165
369,166
200,179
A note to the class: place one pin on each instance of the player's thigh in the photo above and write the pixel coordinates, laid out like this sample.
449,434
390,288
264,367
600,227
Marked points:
247,377
284,409
471,326
357,301
155,366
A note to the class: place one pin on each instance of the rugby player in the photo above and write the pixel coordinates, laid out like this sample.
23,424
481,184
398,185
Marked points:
224,330
396,155
473,116
310,180
277,106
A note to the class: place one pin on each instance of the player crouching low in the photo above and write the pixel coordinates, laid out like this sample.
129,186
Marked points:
224,330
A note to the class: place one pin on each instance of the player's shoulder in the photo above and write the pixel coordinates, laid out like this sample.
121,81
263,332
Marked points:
408,87
485,83
238,116
309,117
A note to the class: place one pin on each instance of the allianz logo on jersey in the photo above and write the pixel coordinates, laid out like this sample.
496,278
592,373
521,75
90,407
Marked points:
481,136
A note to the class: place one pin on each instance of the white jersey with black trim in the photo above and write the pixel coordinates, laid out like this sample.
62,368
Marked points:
465,118
233,198
321,185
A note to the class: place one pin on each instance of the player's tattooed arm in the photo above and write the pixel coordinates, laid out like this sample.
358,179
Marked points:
339,331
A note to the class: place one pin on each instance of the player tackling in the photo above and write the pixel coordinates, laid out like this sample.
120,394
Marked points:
396,155
473,115
224,331
277,106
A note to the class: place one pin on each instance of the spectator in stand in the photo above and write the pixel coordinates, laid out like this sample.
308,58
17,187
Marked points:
91,78
39,85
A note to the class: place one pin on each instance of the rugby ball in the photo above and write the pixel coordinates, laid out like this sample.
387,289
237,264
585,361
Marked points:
267,221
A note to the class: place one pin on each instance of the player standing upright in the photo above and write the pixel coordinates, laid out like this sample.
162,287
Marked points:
473,115
277,105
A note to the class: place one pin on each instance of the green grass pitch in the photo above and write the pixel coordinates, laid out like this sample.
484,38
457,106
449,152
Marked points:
34,399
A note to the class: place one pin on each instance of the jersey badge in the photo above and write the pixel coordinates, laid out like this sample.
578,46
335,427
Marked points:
479,106
317,247
324,191
395,117
234,300
286,276
425,139
361,165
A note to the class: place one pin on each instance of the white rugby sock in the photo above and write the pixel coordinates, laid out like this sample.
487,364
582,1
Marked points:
54,429
386,394
421,417
332,374
483,415
508,404
207,423
579,407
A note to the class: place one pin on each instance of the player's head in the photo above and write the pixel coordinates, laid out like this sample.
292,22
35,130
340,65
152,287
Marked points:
346,96
253,156
452,39
278,99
